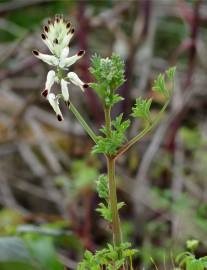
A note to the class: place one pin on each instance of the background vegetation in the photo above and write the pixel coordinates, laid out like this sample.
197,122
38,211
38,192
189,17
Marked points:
47,179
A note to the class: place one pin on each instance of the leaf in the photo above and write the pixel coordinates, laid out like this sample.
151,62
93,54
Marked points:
160,84
120,205
171,73
104,211
109,74
141,108
102,186
192,244
43,251
110,145
15,255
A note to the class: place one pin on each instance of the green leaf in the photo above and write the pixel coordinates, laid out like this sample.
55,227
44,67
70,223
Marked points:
119,125
102,186
141,108
109,74
104,211
43,251
160,83
112,257
171,73
120,205
192,244
110,145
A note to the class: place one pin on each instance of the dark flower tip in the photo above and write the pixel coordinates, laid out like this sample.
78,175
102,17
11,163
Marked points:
56,41
43,36
80,53
59,117
85,85
68,25
46,29
72,31
44,93
49,21
35,52
67,103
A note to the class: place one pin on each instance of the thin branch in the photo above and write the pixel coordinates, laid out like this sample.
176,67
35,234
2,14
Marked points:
125,147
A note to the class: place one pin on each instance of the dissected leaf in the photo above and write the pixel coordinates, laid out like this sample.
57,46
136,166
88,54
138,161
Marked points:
141,108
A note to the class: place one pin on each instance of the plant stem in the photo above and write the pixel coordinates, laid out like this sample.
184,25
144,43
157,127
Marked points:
107,112
83,122
113,201
139,136
112,184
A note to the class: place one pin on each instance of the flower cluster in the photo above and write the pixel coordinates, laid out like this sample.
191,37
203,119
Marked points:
57,35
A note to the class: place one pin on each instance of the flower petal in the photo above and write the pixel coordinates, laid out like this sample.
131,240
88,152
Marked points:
49,82
64,89
64,53
66,62
73,77
48,43
49,59
53,100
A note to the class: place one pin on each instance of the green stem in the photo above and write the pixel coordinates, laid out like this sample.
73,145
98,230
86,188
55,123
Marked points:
139,136
113,201
112,185
83,122
107,112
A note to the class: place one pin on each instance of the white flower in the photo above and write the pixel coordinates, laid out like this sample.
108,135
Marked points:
49,59
62,61
57,35
64,53
64,89
66,62
54,102
49,82
73,77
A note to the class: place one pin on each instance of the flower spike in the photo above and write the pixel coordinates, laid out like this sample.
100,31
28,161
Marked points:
56,36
